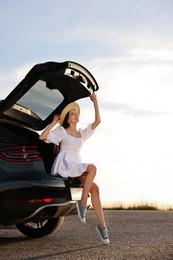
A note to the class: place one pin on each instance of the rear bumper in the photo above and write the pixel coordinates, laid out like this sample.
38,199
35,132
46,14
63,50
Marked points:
17,210
51,211
57,210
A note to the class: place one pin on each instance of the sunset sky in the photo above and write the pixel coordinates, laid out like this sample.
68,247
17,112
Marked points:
128,46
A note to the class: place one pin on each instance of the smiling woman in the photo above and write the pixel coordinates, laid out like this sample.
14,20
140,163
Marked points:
68,162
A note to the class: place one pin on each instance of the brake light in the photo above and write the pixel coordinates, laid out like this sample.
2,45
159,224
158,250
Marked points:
32,201
20,154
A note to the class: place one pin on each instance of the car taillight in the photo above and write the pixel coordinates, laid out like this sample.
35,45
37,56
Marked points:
20,154
32,201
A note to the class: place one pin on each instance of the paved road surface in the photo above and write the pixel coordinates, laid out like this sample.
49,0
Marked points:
141,235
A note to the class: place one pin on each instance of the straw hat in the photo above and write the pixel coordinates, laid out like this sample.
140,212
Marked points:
67,109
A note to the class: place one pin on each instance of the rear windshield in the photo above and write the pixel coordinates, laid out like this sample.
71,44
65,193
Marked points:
41,100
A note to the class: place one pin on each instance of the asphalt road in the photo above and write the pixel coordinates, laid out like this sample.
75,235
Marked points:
133,234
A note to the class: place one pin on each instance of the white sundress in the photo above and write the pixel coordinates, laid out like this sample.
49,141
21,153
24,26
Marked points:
68,162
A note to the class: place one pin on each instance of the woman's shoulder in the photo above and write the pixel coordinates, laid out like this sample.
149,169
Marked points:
89,126
81,129
56,135
60,128
87,132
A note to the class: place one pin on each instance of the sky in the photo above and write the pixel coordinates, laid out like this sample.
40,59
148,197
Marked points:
128,47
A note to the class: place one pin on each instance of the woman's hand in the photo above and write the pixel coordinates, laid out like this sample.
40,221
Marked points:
45,133
56,118
93,97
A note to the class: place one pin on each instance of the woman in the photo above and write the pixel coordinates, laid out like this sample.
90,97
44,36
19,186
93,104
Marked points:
68,162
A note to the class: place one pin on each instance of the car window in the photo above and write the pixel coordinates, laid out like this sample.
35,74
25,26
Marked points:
41,100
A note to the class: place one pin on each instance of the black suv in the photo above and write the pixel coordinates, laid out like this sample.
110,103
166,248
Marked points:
30,198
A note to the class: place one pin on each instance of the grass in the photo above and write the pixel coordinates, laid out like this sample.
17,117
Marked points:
137,206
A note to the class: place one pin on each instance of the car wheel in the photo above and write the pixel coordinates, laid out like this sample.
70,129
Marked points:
40,229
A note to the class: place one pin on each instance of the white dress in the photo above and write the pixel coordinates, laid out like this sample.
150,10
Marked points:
68,162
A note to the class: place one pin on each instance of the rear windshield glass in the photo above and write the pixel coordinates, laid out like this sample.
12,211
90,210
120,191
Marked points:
41,100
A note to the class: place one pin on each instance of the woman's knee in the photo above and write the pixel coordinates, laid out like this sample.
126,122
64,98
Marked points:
92,168
94,189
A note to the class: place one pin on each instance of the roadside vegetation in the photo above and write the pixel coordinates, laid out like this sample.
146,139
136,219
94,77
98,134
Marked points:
137,206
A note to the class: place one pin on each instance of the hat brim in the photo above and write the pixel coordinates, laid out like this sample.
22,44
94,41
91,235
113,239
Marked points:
67,109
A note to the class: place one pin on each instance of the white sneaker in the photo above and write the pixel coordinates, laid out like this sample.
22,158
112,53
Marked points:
81,211
103,234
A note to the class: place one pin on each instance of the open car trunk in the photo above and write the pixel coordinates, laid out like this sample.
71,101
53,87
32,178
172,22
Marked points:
45,91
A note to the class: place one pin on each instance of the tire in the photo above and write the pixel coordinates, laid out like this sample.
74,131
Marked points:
40,229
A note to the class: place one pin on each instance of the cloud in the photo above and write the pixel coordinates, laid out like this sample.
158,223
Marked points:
125,109
9,80
140,80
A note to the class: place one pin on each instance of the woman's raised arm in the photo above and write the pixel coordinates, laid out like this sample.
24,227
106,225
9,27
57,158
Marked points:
97,112
45,133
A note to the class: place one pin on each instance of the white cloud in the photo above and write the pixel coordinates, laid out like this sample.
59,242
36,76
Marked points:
9,80
141,79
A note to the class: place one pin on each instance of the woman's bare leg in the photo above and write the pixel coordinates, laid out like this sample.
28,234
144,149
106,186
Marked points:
95,199
88,182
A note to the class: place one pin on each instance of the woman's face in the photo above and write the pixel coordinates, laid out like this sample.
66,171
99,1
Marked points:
73,116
